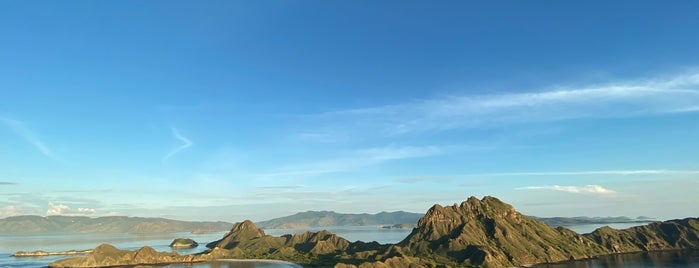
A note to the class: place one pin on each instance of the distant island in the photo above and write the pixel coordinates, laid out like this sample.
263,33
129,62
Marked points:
570,221
112,224
331,218
475,233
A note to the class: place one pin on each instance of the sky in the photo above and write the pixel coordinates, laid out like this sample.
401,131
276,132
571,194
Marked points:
233,110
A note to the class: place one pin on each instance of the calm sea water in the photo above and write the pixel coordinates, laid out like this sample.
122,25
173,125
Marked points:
10,243
665,259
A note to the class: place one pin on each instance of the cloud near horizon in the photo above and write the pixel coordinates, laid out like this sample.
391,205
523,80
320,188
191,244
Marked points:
587,189
61,209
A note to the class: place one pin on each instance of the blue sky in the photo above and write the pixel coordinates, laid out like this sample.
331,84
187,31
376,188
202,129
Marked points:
232,110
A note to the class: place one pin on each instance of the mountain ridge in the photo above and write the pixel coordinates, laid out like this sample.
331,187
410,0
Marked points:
476,233
107,224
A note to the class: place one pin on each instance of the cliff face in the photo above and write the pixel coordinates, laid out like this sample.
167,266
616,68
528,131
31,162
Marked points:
485,232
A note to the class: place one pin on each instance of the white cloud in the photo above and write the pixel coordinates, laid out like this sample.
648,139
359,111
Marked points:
61,209
679,94
26,133
595,172
186,143
587,189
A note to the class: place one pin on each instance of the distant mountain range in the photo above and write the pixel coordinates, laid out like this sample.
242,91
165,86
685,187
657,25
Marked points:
569,221
122,224
112,224
331,218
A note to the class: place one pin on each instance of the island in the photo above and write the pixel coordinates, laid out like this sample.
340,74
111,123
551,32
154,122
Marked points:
181,243
476,233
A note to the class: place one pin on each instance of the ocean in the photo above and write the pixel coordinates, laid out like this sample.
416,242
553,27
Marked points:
10,243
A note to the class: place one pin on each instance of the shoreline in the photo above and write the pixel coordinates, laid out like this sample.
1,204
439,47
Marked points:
295,265
41,253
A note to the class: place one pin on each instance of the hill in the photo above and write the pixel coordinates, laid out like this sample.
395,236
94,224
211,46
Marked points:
475,233
330,218
112,224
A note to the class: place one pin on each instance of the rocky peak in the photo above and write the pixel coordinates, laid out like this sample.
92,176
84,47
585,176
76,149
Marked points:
241,231
246,230
105,249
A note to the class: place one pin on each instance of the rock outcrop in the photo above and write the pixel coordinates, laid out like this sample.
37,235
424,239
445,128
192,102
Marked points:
475,233
107,255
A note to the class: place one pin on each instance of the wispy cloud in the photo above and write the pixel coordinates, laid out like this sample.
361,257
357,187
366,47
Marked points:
186,143
595,172
7,183
587,189
357,159
279,187
26,133
424,179
679,94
